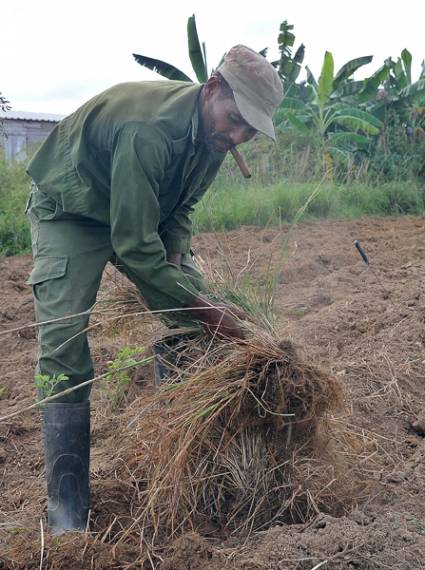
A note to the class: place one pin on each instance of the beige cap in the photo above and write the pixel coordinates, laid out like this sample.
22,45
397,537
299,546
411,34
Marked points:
256,86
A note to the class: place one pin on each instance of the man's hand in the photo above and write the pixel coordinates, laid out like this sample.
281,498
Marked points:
217,319
234,310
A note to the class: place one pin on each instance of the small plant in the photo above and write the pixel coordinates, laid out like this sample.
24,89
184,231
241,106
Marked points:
118,378
419,526
46,385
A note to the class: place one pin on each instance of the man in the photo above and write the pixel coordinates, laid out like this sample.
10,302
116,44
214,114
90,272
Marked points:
117,181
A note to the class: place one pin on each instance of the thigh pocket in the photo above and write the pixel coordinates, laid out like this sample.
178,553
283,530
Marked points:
41,207
51,286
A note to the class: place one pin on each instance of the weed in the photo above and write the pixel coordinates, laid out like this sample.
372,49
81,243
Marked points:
46,385
118,380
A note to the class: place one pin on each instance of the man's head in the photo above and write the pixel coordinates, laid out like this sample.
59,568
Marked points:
239,100
222,125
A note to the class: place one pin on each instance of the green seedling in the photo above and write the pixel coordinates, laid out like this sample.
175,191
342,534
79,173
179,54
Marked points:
46,385
118,379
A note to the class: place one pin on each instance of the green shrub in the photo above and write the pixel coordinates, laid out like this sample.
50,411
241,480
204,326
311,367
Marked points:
397,157
14,190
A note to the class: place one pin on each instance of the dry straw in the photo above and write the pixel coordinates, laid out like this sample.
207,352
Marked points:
240,438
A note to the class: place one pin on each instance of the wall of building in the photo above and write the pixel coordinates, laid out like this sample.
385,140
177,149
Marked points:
20,136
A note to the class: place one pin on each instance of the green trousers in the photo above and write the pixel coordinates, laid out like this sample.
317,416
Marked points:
70,253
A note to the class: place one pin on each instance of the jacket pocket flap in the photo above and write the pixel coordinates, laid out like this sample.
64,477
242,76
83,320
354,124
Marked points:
46,268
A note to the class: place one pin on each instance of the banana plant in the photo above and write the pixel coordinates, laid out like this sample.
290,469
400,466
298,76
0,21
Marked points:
369,90
288,65
400,94
327,114
197,56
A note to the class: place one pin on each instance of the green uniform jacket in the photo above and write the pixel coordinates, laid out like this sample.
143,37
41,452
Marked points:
127,158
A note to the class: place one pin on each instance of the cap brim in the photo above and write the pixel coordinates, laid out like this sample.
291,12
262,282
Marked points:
253,116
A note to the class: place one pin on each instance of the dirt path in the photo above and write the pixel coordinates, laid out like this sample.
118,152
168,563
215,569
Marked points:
366,326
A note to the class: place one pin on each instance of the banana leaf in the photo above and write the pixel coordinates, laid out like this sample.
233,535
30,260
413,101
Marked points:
349,139
296,64
349,68
296,122
406,56
356,124
399,76
414,91
204,51
285,39
344,110
340,153
372,83
292,103
326,79
350,88
311,79
165,69
195,51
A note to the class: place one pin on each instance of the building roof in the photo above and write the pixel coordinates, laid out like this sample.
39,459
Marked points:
28,116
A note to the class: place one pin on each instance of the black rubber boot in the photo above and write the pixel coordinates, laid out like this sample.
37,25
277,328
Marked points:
167,356
161,364
67,450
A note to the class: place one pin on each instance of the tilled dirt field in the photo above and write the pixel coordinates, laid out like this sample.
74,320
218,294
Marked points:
366,325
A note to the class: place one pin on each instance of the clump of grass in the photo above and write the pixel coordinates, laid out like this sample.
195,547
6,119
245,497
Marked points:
240,438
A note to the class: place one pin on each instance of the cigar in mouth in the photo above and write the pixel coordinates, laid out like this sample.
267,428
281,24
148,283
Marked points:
240,162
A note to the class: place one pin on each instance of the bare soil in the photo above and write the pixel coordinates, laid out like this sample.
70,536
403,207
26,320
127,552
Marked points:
366,325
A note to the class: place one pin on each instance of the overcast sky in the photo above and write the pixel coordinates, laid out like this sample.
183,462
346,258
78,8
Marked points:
55,55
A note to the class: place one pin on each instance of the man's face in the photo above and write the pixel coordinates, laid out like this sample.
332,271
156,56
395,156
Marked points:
223,126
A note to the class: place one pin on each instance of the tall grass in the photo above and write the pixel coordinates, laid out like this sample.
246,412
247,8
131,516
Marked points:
14,189
266,199
229,205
